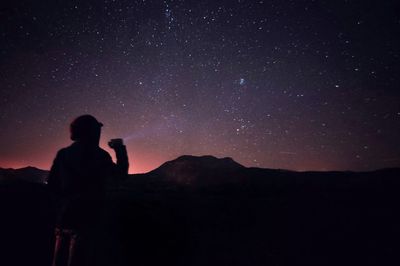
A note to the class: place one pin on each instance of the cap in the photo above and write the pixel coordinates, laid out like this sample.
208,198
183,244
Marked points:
84,126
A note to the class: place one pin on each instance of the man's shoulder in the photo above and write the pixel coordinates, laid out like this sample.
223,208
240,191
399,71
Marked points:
71,149
103,153
63,151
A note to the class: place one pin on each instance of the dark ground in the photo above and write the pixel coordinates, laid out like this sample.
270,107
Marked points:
285,219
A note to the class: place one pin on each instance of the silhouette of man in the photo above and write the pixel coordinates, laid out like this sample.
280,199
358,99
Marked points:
78,179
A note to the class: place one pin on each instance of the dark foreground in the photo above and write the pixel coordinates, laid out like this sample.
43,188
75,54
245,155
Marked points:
276,219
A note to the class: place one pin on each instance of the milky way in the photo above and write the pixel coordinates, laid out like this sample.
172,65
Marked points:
302,85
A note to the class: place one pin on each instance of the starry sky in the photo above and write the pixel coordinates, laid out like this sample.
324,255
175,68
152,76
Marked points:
300,85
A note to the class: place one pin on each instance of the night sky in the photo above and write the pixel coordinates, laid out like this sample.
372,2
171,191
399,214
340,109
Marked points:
300,85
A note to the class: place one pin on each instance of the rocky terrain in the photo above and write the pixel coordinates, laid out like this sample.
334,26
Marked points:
210,211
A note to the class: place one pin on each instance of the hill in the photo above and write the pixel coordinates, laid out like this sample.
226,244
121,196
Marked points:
29,174
210,211
198,170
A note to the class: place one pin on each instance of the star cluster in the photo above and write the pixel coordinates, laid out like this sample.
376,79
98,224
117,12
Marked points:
302,85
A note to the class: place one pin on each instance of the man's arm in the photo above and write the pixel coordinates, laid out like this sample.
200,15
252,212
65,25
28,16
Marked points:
122,166
122,160
54,182
53,179
117,172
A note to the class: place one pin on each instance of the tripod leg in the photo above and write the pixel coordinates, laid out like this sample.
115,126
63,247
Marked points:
57,247
72,249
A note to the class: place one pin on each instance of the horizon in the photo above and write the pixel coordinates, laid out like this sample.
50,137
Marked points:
295,85
219,158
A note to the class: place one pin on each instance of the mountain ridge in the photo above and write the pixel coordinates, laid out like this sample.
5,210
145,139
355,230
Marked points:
196,170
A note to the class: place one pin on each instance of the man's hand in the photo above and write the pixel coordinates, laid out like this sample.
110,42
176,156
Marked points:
122,165
116,144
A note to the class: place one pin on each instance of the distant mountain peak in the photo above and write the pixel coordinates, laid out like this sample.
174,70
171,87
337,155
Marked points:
190,169
29,173
30,168
207,161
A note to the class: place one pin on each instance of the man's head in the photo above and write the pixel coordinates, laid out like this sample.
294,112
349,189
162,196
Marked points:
86,128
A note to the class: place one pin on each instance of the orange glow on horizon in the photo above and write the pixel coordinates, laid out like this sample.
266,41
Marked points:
138,163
